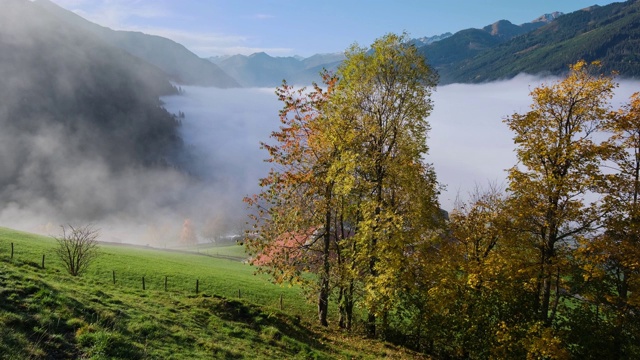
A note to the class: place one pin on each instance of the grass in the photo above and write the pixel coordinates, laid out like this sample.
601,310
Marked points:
48,314
231,251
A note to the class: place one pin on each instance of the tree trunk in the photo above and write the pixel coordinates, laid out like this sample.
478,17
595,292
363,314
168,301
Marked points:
371,324
373,259
349,306
547,283
323,302
323,296
346,307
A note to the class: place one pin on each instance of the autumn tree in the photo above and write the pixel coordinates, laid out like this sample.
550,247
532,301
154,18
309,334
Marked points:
381,103
473,298
611,261
294,212
551,188
349,193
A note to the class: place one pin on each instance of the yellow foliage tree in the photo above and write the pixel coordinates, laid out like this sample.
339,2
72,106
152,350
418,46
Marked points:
381,104
559,166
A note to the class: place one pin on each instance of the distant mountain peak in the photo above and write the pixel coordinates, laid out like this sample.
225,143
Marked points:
426,40
591,8
259,54
605,33
498,27
547,18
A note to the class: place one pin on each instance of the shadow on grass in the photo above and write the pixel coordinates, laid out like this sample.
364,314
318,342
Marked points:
275,328
38,321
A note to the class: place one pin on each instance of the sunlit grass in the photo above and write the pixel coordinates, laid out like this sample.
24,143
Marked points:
46,313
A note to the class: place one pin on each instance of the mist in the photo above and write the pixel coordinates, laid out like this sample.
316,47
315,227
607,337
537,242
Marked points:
469,145
221,162
82,138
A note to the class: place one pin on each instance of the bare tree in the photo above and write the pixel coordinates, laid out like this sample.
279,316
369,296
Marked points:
77,247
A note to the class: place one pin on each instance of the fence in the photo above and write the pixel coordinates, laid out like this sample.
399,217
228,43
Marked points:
116,278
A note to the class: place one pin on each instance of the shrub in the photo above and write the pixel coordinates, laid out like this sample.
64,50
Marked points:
77,248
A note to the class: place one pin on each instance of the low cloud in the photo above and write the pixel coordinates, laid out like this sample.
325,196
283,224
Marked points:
222,130
469,143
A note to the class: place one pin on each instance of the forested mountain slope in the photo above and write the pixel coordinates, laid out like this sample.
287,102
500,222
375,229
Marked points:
610,34
73,108
180,64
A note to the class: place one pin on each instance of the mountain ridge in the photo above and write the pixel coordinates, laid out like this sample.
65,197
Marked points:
468,43
261,69
180,64
609,34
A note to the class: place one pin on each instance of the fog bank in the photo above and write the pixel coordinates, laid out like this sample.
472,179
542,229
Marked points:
469,145
222,130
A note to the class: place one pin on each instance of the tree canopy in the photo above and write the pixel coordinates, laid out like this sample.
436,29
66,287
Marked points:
350,193
545,269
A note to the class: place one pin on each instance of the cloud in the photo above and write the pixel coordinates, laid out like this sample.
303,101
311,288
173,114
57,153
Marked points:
469,143
211,44
115,13
469,146
222,130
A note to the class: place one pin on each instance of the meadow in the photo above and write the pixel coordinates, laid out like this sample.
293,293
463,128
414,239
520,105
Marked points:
47,314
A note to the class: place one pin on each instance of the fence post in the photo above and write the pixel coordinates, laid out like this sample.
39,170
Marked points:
239,294
12,250
113,275
280,301
197,286
43,261
143,287
165,283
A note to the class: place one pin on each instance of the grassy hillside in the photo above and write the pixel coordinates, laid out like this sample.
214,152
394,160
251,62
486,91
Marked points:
47,314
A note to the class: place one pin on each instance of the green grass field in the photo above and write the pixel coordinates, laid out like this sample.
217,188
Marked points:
48,314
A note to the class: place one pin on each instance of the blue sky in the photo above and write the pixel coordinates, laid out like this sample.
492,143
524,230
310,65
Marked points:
300,27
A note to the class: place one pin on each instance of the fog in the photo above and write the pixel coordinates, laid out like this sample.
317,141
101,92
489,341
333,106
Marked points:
469,145
222,130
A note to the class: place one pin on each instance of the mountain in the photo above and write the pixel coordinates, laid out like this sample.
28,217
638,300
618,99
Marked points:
442,52
182,66
466,44
607,33
262,70
74,109
430,39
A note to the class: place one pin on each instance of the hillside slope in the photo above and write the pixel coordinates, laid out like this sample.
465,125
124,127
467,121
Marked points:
608,33
47,314
74,110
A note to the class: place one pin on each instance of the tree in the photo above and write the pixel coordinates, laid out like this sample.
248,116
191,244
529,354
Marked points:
559,167
380,105
294,212
77,247
349,194
611,261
